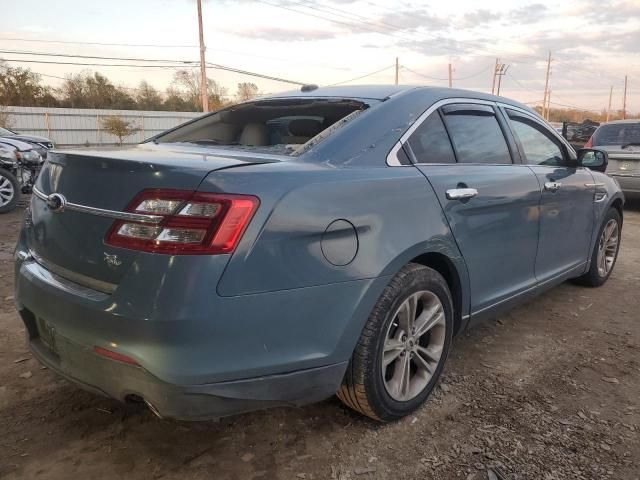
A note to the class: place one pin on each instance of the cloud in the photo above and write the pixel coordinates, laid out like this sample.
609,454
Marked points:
478,18
531,13
414,20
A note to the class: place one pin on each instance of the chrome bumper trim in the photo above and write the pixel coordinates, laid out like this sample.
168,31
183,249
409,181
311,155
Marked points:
61,274
101,212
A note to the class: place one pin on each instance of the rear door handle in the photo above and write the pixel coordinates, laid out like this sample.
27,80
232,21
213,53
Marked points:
461,193
552,186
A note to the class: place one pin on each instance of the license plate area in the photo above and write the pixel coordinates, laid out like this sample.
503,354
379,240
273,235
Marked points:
47,334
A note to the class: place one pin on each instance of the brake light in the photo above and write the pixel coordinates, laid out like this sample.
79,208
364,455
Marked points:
192,222
589,143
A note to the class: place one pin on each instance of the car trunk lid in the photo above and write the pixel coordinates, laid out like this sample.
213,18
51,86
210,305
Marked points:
70,242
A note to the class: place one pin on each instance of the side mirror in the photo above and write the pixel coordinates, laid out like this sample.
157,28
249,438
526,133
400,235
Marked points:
593,159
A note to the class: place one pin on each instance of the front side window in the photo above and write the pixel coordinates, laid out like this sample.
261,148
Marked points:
539,148
477,137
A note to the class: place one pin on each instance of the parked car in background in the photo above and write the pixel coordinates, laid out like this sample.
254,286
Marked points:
621,140
326,240
20,164
578,134
41,144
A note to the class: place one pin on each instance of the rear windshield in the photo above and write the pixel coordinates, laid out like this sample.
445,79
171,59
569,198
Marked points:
617,134
276,126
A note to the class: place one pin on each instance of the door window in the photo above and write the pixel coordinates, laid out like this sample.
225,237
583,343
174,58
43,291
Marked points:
539,147
430,142
477,136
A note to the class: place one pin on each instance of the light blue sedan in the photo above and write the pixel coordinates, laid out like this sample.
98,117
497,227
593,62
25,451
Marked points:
323,241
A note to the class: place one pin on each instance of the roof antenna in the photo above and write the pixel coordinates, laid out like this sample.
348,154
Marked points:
309,87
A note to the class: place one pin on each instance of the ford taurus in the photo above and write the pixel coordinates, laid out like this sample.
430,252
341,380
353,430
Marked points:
280,251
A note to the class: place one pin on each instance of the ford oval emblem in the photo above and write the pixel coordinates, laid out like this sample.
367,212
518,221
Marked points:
56,202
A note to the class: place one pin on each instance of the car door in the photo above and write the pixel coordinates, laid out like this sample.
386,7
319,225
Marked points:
566,202
491,204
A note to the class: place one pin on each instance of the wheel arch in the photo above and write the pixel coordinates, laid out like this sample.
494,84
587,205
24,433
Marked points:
445,267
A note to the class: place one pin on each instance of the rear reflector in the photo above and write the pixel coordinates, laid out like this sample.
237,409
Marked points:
193,222
118,357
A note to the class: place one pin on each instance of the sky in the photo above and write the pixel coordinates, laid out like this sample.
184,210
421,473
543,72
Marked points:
593,43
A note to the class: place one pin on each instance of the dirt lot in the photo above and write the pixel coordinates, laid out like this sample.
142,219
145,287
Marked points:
549,391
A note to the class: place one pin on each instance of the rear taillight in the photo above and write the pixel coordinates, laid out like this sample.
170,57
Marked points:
589,143
192,222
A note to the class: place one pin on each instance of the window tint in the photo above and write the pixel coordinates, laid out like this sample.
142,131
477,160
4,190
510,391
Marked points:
430,142
477,138
539,148
617,134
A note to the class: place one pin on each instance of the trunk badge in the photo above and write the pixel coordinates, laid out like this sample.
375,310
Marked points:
56,202
112,260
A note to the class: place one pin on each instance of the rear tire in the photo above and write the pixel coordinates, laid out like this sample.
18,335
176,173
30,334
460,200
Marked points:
9,191
605,251
397,361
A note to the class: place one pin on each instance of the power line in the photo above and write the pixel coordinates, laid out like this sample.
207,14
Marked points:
97,43
361,77
209,65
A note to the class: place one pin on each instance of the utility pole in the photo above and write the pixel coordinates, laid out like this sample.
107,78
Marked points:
495,72
609,107
203,67
546,87
624,99
548,105
450,76
397,70
502,71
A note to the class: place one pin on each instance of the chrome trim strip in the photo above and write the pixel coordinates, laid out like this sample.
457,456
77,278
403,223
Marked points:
628,175
76,278
101,212
594,184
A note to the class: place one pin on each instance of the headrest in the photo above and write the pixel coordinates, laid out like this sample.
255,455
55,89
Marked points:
254,134
305,127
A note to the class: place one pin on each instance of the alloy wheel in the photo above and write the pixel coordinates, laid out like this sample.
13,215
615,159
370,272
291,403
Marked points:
608,247
413,345
6,191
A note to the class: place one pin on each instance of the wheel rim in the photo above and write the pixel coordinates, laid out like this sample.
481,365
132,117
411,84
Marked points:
6,191
608,248
413,345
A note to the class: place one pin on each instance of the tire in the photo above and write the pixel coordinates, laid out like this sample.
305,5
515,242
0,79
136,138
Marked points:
9,191
596,276
370,388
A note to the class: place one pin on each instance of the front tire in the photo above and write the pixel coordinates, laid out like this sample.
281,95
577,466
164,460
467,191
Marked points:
9,191
605,251
402,348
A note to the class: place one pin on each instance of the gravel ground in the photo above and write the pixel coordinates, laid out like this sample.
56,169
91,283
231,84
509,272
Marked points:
549,391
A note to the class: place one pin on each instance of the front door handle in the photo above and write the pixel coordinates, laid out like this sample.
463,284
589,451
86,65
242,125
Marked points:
552,186
461,193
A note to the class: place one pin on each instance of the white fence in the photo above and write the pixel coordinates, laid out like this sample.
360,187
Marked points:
78,126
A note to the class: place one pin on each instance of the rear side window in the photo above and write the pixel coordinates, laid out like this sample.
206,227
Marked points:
477,137
430,142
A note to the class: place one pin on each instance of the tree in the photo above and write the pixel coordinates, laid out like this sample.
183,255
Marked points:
93,90
246,91
147,97
188,82
118,127
22,87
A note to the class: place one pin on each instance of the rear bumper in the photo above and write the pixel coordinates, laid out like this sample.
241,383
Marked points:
80,365
201,356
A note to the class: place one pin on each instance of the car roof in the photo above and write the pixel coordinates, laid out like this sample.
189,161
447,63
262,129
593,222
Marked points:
383,92
629,120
